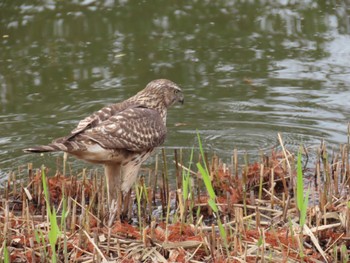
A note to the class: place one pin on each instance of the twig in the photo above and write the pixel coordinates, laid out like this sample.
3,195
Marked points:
95,246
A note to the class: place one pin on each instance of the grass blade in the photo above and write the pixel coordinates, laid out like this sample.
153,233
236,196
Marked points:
300,183
207,182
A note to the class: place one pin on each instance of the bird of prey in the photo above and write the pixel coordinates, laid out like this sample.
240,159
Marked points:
121,136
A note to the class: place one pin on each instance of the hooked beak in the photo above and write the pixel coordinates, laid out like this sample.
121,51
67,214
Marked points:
181,99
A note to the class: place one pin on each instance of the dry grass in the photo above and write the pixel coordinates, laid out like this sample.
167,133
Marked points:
257,205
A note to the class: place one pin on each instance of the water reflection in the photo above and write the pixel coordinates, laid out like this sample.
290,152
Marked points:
249,69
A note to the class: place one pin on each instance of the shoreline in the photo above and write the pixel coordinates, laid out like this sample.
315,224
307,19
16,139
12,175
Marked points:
254,215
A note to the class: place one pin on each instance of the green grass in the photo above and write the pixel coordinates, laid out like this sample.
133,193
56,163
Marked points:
204,171
186,191
344,253
54,231
139,191
6,254
186,182
302,200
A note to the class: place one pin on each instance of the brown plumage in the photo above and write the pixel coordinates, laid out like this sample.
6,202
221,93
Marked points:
123,135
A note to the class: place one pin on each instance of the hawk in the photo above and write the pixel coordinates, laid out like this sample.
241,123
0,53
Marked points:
121,136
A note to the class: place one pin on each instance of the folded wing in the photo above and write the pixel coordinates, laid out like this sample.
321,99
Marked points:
135,129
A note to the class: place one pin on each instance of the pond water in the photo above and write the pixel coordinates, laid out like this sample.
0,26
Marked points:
249,69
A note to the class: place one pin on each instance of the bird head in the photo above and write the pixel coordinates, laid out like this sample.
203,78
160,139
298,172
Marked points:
168,91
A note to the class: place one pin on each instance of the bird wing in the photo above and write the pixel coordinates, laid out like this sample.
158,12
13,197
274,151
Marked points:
134,129
98,117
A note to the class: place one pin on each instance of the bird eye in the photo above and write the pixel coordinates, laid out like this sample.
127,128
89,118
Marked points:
176,91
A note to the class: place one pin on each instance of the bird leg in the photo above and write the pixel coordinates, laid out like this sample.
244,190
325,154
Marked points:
125,213
114,178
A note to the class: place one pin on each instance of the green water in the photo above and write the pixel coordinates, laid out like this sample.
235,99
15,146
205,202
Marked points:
249,69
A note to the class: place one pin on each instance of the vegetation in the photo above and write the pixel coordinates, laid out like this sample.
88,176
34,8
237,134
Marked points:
249,212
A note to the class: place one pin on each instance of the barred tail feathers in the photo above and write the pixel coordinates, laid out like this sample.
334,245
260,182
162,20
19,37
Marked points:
59,145
46,148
